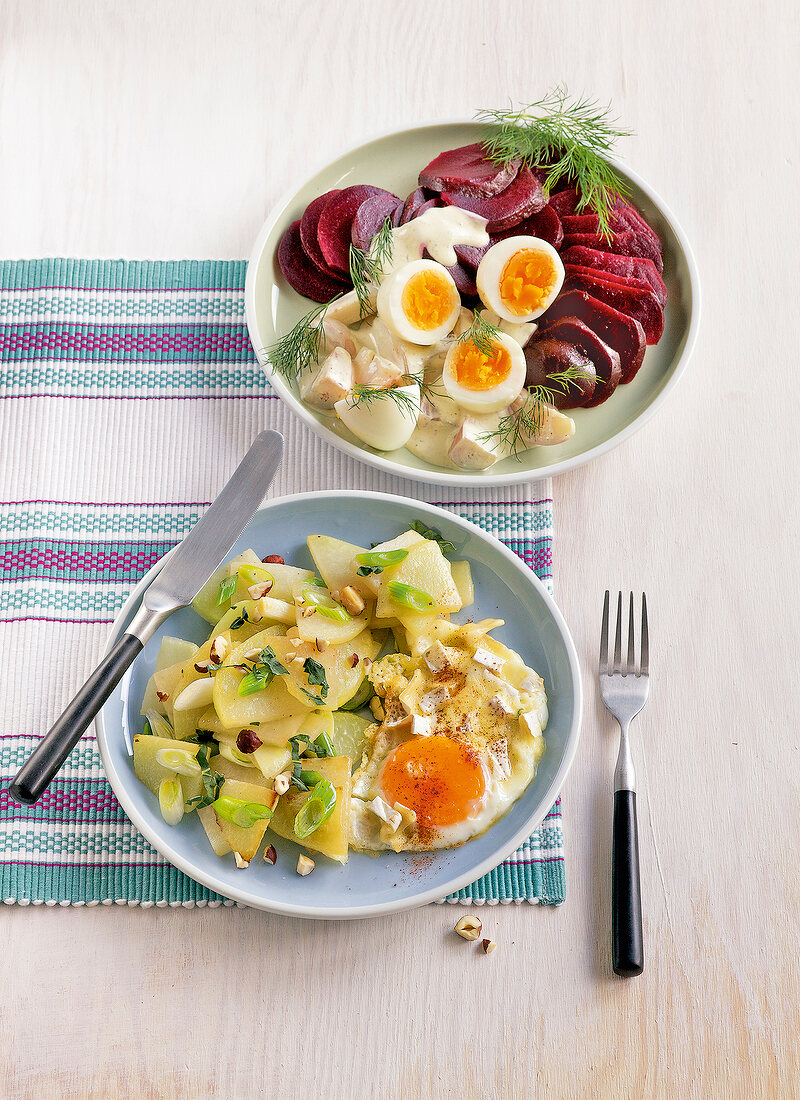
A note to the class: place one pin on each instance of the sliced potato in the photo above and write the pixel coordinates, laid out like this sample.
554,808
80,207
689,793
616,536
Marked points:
331,838
262,707
206,602
254,622
402,542
174,651
245,841
216,837
229,770
336,563
462,579
425,568
151,773
343,665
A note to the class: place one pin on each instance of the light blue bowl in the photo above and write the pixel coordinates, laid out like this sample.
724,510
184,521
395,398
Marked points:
366,886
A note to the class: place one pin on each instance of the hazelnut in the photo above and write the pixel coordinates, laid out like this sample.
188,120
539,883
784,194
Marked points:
281,784
163,695
257,591
321,644
273,559
488,946
469,928
241,862
305,865
270,855
219,647
201,667
352,601
248,741
354,660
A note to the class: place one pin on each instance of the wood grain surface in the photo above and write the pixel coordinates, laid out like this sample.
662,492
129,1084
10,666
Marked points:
167,129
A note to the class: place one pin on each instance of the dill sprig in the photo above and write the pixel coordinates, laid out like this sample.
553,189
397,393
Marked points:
482,333
366,397
367,266
570,138
515,430
299,349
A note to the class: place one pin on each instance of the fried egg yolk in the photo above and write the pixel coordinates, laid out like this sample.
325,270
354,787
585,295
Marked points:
527,281
475,370
427,300
441,779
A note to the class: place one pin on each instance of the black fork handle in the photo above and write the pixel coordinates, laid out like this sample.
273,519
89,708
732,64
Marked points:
627,943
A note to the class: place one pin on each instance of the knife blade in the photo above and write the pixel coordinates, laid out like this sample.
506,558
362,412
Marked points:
184,573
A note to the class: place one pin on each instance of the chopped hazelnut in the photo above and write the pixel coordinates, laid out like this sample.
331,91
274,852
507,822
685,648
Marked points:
164,695
305,865
281,784
241,862
248,741
488,946
469,928
321,644
270,855
273,559
352,601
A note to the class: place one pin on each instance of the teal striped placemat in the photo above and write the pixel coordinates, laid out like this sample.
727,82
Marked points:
129,389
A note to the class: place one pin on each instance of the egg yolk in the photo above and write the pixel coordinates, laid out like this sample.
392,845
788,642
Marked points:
437,777
427,300
527,281
474,370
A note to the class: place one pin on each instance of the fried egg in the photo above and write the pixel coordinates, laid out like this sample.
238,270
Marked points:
519,277
459,743
484,383
419,302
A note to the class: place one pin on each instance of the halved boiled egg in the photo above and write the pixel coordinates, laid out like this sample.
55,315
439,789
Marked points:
385,424
520,277
419,302
481,382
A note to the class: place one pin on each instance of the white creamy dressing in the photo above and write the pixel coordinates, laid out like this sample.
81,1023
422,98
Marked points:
438,230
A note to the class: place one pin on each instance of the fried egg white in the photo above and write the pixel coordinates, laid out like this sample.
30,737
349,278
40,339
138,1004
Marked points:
478,713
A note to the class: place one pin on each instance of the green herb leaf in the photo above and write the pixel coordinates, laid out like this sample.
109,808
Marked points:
516,430
300,348
226,589
316,675
570,138
432,534
365,570
367,267
212,780
238,812
316,810
482,333
268,657
240,620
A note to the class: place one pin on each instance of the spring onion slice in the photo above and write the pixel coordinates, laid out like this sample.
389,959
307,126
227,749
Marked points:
324,605
230,752
227,588
316,810
379,559
255,574
243,814
257,679
323,746
410,596
180,761
170,799
158,725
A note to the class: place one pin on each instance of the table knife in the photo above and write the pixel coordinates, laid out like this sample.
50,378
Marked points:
185,572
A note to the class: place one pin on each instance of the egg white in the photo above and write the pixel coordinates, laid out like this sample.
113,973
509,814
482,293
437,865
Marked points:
390,304
491,268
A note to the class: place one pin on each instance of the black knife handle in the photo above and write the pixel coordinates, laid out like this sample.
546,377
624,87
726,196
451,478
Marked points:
627,944
36,774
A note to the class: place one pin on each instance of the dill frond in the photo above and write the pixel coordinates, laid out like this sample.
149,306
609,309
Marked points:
515,430
367,267
299,349
481,333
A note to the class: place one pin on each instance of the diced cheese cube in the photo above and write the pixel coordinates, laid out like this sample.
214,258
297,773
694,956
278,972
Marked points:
498,754
500,705
421,726
439,657
487,659
434,698
384,811
530,723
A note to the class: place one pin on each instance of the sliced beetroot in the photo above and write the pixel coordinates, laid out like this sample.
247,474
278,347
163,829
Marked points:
336,223
471,255
301,273
622,333
429,204
414,200
469,172
604,358
626,243
623,219
308,231
523,196
638,302
545,224
567,201
397,215
593,274
547,355
371,215
464,279
634,267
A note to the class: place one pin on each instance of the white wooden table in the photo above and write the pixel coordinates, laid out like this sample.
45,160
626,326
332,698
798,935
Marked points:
167,130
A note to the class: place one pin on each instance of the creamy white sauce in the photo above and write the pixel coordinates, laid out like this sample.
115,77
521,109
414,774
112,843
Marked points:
439,231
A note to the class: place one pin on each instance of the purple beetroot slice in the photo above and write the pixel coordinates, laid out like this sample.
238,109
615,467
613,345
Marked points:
623,244
412,203
463,277
370,217
468,171
565,204
336,222
593,274
308,231
634,301
622,333
301,274
429,204
634,267
547,355
605,359
545,224
523,196
623,219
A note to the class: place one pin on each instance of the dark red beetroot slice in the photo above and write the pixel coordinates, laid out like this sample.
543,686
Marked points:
606,361
414,200
547,355
635,302
370,217
624,218
430,204
634,267
545,224
622,333
308,231
593,273
303,275
623,244
336,223
468,171
470,255
566,205
522,197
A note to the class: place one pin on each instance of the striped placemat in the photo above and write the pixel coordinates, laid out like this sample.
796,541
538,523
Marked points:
129,391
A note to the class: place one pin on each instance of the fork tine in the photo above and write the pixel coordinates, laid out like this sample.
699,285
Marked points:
618,636
645,654
631,663
604,636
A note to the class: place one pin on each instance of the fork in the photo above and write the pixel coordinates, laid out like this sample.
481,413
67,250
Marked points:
623,689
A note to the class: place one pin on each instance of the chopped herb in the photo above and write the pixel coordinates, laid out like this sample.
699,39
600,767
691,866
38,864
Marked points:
212,780
482,333
240,620
226,589
268,657
367,267
432,534
365,570
323,746
316,675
